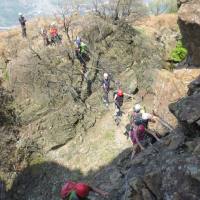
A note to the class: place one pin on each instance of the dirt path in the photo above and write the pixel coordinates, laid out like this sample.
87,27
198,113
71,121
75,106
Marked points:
100,146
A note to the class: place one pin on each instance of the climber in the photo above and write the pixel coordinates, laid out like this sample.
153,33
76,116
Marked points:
106,88
147,117
118,100
78,42
135,118
22,21
82,54
78,191
45,36
55,37
139,132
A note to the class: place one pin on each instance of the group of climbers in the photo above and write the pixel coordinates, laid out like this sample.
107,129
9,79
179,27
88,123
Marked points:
49,37
139,119
52,36
139,131
55,38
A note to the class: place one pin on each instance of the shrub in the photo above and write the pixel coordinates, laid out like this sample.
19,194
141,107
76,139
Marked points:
179,53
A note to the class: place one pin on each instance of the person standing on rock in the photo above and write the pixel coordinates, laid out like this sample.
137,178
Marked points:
79,191
106,88
45,37
22,21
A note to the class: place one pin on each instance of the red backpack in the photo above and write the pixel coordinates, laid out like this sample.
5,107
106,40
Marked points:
81,189
67,188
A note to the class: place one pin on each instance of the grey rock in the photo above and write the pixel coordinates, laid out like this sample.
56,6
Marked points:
189,22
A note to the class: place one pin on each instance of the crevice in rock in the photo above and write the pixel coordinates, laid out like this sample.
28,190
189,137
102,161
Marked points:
151,192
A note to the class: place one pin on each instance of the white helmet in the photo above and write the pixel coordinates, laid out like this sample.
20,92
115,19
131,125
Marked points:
146,116
105,75
20,14
137,108
53,23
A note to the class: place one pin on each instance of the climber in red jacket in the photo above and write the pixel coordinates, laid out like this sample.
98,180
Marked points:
78,191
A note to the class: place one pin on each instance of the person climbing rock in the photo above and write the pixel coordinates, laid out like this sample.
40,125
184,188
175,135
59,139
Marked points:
147,117
22,21
78,42
84,58
55,38
82,54
135,119
79,191
118,101
106,88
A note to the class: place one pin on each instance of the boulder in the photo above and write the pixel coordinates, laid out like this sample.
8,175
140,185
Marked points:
180,2
189,22
194,86
187,111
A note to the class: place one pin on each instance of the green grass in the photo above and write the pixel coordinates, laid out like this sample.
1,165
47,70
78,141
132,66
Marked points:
110,135
179,53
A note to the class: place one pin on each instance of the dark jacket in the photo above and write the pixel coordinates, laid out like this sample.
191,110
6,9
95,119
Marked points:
22,21
119,100
106,85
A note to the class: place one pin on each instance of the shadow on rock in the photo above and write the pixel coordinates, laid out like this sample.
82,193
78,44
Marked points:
164,169
43,181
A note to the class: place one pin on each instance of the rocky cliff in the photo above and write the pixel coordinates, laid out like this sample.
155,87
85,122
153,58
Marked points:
66,133
189,22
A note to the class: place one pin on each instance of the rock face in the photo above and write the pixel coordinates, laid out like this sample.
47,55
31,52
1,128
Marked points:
194,86
180,2
169,174
187,110
9,135
189,22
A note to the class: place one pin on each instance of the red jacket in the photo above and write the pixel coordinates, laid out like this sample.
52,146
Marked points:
53,32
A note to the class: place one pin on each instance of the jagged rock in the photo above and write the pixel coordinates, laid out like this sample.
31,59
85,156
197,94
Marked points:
180,2
187,111
129,82
189,22
194,86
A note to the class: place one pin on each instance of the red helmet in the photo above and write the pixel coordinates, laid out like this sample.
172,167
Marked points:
119,93
82,190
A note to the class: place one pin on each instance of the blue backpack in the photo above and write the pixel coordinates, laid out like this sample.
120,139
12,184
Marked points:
137,119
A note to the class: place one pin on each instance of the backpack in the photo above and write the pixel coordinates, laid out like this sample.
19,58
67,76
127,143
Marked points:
137,119
67,188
